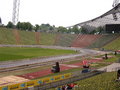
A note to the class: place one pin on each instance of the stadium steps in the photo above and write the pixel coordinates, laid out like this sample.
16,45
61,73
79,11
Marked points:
57,39
7,36
37,37
103,40
47,38
83,41
65,40
17,37
27,37
114,45
76,40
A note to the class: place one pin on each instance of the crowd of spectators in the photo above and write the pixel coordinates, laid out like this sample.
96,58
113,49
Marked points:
72,86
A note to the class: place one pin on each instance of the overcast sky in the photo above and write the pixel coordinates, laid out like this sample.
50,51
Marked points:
55,12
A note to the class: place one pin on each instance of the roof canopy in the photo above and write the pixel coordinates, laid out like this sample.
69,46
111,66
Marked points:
110,17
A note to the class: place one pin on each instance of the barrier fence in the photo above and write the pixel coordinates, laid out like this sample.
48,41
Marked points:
38,82
50,82
73,78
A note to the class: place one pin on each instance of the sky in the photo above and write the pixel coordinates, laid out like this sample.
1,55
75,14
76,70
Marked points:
55,12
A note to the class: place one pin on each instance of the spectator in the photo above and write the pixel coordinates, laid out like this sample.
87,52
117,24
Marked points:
118,74
59,88
63,87
75,86
68,87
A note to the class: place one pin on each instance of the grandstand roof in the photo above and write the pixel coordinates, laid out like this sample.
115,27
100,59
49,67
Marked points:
110,17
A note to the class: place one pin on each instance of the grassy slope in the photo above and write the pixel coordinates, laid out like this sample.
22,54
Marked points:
105,81
66,40
7,53
115,45
47,38
7,36
27,37
103,40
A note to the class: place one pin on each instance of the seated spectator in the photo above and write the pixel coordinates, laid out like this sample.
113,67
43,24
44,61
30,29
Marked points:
68,87
59,88
118,74
63,87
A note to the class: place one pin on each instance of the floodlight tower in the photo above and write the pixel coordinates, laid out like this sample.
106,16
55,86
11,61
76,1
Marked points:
15,15
115,3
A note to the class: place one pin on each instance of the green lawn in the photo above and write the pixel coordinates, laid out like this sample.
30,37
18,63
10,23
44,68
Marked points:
114,45
47,38
8,53
7,36
105,81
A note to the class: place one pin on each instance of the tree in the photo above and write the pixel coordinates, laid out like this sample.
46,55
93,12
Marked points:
62,29
100,30
83,31
28,26
76,30
93,32
37,27
0,21
10,25
24,26
18,26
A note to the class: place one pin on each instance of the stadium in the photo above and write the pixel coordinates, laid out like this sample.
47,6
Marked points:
33,60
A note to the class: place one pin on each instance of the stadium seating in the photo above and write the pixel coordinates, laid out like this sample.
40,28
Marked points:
37,37
47,38
7,36
114,45
108,41
17,36
83,41
65,39
103,40
27,37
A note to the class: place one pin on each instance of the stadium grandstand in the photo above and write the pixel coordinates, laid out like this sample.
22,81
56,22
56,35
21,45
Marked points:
89,56
17,37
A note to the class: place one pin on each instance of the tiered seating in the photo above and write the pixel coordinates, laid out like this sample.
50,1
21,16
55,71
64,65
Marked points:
17,36
47,38
27,37
83,41
103,40
7,36
114,45
65,40
57,38
37,37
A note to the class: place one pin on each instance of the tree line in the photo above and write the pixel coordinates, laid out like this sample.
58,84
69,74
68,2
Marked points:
27,26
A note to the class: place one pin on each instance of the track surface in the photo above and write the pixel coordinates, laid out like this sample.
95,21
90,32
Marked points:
83,52
63,67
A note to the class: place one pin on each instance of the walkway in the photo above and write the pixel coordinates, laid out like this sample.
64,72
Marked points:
111,68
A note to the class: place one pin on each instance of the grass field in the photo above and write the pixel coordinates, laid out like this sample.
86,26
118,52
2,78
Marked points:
105,81
114,45
47,38
16,53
